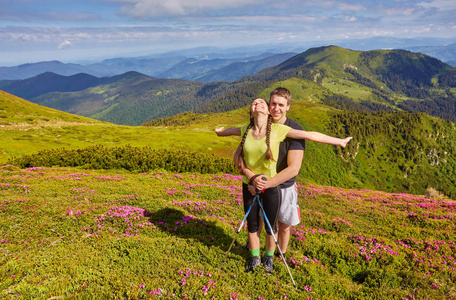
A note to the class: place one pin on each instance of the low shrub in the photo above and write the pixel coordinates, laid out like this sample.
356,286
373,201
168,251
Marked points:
129,158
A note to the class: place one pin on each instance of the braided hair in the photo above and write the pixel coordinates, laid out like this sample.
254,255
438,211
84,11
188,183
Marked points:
268,139
268,142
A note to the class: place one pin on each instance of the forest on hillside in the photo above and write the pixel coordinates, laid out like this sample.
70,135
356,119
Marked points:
399,151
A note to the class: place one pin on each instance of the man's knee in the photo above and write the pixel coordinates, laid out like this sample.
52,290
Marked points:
283,227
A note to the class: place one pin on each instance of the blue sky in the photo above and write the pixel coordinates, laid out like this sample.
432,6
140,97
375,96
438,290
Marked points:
68,30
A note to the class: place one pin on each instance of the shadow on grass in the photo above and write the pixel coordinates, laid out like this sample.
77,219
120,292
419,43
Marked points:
178,223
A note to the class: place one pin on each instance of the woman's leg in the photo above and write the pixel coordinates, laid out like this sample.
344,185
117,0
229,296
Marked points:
271,202
271,199
254,240
252,226
253,219
270,243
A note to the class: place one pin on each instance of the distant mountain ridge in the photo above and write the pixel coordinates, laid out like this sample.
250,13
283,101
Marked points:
32,69
50,82
238,70
177,67
129,99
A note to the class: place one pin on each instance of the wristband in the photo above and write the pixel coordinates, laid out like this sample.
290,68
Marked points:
254,177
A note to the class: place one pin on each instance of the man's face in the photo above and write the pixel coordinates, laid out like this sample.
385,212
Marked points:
278,107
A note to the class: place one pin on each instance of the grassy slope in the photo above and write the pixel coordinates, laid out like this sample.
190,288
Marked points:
37,128
28,128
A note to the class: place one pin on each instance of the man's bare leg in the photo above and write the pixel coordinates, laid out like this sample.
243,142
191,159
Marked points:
284,236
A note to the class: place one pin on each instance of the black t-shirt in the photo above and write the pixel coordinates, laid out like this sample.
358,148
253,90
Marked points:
285,146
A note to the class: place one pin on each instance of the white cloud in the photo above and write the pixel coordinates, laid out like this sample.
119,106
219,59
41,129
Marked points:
351,7
398,11
158,8
293,19
441,5
69,16
350,19
64,44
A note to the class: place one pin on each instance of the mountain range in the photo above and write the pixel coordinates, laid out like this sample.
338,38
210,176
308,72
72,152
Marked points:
387,80
206,69
201,63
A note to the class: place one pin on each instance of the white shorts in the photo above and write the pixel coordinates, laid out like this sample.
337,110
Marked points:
289,212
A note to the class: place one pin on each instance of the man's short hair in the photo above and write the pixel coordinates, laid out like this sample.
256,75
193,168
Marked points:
282,92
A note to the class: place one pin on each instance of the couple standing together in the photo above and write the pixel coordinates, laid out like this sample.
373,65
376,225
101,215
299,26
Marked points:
272,148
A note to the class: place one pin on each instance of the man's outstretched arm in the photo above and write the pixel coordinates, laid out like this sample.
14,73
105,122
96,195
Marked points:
318,137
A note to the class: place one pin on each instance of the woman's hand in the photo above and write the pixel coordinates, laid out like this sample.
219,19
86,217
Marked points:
252,189
218,131
229,131
258,184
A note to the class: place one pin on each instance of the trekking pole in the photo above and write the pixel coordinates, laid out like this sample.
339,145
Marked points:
277,244
239,229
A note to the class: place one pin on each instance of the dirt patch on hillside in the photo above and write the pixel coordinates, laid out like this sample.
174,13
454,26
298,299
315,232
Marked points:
41,124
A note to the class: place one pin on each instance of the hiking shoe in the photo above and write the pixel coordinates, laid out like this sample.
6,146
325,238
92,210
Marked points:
268,263
255,261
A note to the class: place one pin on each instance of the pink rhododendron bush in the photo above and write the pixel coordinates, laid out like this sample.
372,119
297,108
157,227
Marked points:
82,234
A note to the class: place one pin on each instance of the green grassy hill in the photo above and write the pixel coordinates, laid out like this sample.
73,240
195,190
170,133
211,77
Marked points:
394,152
28,128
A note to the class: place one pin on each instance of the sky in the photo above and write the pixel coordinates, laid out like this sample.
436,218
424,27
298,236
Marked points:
73,31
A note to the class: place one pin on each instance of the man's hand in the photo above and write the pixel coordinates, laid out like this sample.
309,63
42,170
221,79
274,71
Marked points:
345,141
260,182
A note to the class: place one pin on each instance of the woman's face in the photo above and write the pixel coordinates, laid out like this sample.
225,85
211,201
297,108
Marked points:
259,106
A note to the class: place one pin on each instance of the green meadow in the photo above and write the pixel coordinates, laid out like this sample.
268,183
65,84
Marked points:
68,233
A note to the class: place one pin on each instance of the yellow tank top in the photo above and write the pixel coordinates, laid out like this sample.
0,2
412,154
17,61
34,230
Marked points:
255,151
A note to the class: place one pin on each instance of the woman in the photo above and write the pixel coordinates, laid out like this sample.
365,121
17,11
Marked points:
259,151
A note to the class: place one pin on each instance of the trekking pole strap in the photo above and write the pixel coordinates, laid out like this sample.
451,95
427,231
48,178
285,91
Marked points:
255,177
